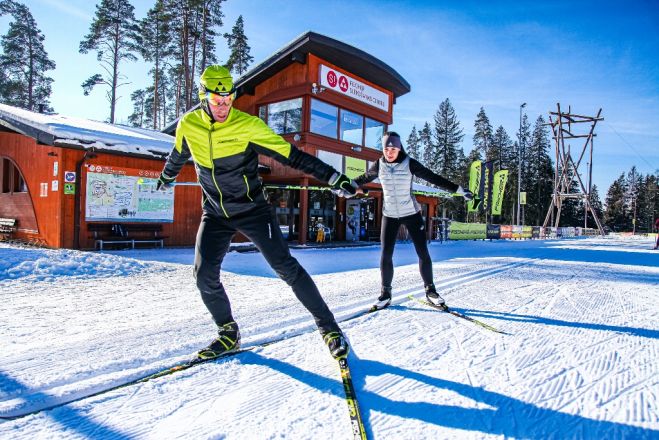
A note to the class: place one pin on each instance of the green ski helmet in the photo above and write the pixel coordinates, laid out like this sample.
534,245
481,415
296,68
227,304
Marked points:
215,79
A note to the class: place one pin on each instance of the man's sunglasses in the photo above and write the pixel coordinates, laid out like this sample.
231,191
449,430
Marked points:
215,99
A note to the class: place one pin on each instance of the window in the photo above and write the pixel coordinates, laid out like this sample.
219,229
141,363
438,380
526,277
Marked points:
324,118
351,127
336,160
283,117
12,179
374,132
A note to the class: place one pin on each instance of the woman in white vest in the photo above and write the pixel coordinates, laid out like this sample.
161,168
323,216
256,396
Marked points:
395,170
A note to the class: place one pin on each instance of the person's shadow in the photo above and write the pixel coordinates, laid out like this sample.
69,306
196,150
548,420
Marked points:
506,416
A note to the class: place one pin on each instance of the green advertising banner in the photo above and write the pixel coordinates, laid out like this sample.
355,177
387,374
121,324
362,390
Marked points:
467,231
355,167
474,185
498,189
486,185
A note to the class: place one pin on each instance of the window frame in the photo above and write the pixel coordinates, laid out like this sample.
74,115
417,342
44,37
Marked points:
266,111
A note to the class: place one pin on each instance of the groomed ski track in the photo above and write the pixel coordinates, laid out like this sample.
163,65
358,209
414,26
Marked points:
580,360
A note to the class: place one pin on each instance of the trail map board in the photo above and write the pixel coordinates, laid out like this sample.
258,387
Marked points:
126,194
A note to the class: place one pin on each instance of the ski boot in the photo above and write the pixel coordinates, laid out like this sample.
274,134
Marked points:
336,342
384,300
228,340
433,297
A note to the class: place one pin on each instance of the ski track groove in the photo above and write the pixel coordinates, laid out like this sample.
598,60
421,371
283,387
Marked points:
590,370
476,395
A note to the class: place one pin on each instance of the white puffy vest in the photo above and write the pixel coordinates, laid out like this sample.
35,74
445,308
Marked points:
396,181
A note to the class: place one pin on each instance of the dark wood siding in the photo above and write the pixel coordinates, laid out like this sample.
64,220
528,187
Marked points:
50,220
38,217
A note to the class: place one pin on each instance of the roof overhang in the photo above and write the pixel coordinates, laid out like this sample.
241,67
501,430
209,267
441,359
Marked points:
340,54
347,57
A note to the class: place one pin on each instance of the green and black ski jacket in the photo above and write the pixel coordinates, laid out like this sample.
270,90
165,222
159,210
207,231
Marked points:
226,159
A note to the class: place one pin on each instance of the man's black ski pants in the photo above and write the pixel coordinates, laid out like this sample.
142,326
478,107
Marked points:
261,227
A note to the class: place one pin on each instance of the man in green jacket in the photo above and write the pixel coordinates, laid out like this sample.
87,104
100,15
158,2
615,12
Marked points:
224,144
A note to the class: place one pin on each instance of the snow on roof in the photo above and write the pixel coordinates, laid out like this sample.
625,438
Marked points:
87,133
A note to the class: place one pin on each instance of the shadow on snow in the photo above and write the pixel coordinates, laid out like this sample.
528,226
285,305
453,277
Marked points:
71,419
531,319
508,416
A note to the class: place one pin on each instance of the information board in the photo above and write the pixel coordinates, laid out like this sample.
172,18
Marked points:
127,195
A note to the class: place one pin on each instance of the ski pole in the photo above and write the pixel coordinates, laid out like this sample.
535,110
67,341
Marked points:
141,181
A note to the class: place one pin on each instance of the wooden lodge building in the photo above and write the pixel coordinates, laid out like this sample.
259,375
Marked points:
68,182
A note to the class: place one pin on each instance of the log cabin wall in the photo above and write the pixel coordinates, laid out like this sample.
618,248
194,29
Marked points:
37,207
46,215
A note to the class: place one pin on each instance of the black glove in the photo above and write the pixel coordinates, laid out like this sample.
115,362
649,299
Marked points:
343,182
468,195
164,182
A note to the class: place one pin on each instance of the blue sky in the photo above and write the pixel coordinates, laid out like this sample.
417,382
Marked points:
495,54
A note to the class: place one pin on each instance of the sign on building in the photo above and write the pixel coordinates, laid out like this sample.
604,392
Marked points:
349,86
354,167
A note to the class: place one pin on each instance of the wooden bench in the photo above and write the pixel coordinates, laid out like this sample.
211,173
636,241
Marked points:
7,227
123,233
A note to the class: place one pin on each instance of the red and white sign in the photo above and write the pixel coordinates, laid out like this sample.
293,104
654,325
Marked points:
346,85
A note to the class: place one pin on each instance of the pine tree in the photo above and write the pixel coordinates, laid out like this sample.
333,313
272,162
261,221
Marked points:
194,23
414,145
614,215
499,149
649,203
425,139
114,35
139,116
634,186
212,19
571,215
447,136
157,47
239,59
414,150
540,174
520,179
483,137
596,204
24,61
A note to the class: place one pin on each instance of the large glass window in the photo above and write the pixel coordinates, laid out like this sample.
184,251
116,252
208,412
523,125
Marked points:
285,117
374,132
324,118
285,203
322,215
351,127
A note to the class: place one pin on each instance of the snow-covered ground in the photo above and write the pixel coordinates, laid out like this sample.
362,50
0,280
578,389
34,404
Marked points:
580,360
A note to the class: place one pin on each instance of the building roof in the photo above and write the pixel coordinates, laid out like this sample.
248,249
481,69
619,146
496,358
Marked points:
64,131
350,58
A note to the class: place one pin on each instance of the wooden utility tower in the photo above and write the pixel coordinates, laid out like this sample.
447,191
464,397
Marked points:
566,127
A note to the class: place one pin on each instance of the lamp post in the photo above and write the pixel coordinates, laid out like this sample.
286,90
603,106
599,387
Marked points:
519,163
